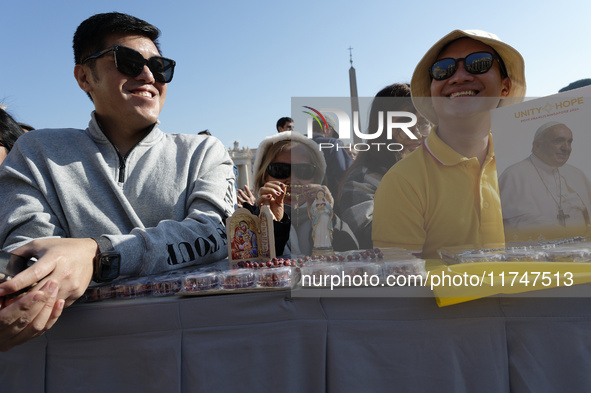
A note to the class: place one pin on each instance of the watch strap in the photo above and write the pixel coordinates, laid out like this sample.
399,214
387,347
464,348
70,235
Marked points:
106,263
104,244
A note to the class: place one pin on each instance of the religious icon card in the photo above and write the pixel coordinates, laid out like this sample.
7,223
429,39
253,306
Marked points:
250,237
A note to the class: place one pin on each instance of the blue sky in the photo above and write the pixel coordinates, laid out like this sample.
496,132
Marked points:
240,63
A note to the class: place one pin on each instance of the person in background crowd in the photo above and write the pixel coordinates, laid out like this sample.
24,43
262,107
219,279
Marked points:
288,173
446,193
576,85
284,124
9,133
246,195
353,154
118,198
355,203
337,158
26,127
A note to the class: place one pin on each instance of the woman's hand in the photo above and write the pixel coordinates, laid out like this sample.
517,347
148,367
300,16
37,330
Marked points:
245,196
272,194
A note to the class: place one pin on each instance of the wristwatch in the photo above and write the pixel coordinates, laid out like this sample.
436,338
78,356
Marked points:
106,262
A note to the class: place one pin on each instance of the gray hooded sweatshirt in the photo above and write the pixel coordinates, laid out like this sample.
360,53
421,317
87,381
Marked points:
162,207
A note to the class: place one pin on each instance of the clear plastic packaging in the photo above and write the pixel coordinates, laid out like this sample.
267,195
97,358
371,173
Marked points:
197,282
280,277
99,292
167,285
525,255
410,267
469,254
481,256
237,279
130,289
567,254
361,269
574,249
318,274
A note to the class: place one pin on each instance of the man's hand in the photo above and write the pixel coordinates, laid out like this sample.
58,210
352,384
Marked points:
29,316
61,274
69,262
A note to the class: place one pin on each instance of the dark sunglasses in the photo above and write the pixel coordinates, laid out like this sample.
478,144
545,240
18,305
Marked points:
282,170
474,63
131,63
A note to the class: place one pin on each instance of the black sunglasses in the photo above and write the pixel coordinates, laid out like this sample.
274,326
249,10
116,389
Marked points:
282,170
131,63
474,63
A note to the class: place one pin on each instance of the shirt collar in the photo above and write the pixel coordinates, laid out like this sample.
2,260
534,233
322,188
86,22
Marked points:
445,155
95,131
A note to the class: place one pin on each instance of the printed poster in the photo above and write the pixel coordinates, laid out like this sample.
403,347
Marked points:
543,155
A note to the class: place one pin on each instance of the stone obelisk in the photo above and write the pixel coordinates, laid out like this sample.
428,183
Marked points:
354,98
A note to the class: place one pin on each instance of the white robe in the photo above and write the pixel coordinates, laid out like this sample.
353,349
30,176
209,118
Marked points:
532,195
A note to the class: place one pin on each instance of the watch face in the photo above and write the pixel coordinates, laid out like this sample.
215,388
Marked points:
108,266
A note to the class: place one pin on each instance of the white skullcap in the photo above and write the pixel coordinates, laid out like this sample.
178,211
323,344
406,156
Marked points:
544,127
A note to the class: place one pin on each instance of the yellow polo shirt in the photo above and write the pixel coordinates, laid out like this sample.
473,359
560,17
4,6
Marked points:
437,198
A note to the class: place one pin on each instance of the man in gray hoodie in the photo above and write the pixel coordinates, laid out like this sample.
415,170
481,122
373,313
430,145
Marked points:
120,198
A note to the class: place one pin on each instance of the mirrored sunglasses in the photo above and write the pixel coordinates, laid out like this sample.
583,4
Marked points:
281,170
131,63
474,63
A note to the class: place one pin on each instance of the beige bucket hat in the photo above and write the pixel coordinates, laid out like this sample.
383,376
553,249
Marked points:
420,84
